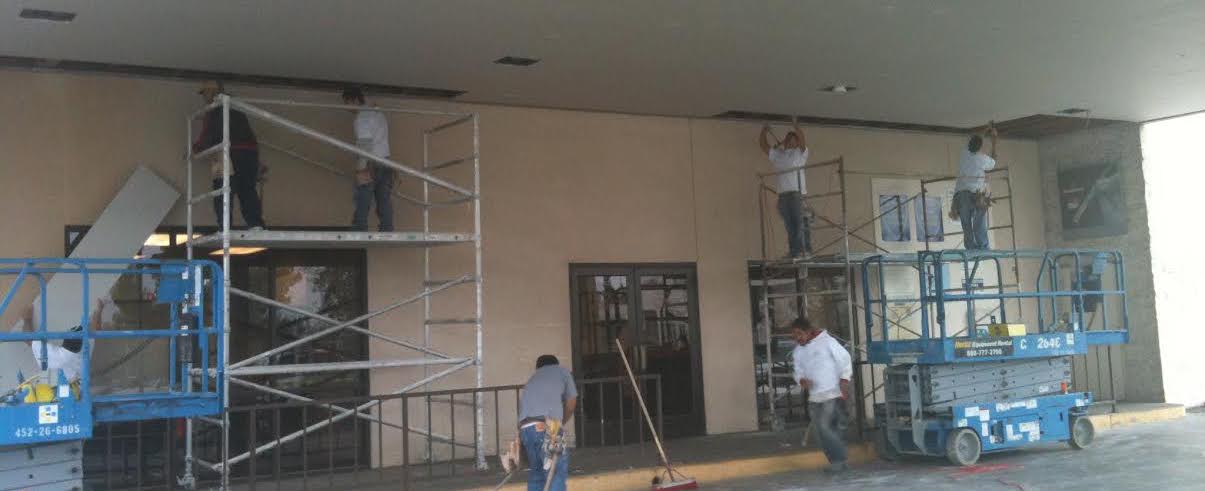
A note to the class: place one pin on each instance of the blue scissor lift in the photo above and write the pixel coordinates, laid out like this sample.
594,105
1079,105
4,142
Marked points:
45,418
960,393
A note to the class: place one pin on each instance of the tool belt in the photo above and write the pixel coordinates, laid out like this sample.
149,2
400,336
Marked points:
981,199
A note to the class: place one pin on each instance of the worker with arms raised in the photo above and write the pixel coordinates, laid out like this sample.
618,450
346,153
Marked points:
790,153
547,403
971,199
824,368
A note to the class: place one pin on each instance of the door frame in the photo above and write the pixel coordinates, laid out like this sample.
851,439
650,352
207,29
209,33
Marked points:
633,271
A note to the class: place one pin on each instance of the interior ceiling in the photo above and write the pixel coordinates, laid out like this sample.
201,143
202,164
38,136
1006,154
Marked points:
953,63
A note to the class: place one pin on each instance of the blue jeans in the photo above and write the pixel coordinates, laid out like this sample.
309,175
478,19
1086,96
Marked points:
533,445
799,237
381,188
244,166
974,221
828,420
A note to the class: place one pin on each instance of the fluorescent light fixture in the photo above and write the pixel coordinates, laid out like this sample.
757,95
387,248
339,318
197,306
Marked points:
158,240
164,240
239,251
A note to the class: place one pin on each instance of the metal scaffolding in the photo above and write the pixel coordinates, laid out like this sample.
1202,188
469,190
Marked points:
266,363
829,273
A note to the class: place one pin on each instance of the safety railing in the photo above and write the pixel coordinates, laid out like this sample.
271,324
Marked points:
1068,282
187,287
355,441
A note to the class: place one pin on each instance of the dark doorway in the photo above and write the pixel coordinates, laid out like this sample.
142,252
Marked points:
653,310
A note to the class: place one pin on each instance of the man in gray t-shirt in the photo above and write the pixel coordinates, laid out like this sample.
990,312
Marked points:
550,394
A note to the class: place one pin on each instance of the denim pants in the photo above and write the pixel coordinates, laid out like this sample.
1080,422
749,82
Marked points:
244,166
829,420
799,237
974,221
533,445
381,189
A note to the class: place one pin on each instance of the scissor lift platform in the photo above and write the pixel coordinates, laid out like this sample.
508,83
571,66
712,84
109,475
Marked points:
959,396
44,420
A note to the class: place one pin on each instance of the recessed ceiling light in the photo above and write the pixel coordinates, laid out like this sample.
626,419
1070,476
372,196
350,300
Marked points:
239,251
48,15
517,61
838,89
1073,110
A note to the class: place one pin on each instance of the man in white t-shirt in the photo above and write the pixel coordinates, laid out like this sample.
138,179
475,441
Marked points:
970,190
65,357
373,180
790,153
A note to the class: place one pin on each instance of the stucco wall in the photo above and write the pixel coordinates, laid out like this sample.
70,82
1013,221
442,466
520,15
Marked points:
558,187
1136,366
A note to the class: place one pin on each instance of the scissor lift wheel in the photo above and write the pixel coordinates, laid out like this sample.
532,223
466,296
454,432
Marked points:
963,447
1083,433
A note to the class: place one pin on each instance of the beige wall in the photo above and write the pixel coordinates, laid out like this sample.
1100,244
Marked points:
558,187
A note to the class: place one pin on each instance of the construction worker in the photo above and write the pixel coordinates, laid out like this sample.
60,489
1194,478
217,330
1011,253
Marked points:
373,180
244,157
65,357
547,403
971,199
790,153
823,368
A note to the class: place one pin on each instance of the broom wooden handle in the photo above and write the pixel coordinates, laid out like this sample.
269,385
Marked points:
643,407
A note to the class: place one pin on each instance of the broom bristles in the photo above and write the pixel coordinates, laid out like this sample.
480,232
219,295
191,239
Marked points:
677,485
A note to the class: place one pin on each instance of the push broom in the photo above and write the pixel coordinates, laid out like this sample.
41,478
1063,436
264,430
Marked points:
670,480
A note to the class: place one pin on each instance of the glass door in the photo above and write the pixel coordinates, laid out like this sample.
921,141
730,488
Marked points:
652,310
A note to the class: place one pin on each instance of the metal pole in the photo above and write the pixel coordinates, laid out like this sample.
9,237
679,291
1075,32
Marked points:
768,330
426,280
480,429
188,480
335,142
225,99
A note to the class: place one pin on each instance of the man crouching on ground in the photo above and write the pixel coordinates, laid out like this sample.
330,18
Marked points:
824,369
548,401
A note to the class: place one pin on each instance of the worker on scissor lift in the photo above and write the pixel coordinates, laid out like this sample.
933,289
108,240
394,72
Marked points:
66,356
548,401
823,367
791,152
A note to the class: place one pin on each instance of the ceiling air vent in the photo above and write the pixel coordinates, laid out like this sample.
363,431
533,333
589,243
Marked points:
516,61
47,15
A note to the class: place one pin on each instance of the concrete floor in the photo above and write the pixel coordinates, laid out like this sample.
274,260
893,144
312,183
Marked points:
1166,455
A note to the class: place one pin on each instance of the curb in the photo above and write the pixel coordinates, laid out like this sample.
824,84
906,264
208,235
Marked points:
811,460
1124,418
639,478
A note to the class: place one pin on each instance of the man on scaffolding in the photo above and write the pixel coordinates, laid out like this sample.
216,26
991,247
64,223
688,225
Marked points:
373,180
971,199
790,153
244,157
